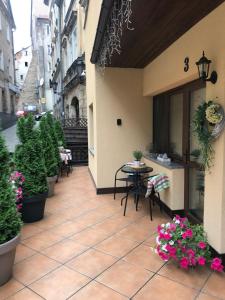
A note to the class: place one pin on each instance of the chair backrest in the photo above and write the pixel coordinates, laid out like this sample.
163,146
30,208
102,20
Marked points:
117,171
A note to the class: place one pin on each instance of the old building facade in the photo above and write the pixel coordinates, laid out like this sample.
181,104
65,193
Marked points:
22,63
68,58
8,90
41,44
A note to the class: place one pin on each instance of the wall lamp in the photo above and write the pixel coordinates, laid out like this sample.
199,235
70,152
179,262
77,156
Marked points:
203,69
53,84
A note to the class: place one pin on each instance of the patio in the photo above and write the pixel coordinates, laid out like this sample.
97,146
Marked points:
85,249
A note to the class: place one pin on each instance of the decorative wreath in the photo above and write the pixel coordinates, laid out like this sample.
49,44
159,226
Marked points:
208,123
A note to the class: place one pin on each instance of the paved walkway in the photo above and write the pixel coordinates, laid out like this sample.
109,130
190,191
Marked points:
10,137
84,249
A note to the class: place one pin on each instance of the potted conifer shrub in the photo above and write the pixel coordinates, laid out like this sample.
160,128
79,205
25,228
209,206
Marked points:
52,132
10,220
59,133
49,156
29,160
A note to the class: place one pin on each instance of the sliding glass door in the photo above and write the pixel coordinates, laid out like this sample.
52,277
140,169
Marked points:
173,114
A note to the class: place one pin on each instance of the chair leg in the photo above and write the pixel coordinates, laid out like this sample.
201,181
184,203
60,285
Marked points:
114,193
125,207
150,207
160,204
137,200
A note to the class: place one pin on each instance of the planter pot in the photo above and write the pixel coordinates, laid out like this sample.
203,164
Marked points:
51,184
137,163
33,208
7,256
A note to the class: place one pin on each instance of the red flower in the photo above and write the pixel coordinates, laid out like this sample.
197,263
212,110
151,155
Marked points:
187,234
202,245
184,263
201,261
216,265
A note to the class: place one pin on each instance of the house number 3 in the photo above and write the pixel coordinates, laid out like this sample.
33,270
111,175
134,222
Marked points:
186,64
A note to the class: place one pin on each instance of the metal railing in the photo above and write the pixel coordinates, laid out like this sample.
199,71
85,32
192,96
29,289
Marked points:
75,123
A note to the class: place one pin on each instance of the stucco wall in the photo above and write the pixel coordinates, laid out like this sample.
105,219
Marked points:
119,96
167,72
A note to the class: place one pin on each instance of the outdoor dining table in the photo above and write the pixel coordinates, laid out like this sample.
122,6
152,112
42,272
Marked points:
137,185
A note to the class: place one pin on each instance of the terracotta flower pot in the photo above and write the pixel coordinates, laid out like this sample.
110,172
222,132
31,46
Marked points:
7,257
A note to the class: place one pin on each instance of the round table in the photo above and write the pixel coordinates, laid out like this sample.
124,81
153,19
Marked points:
136,171
137,186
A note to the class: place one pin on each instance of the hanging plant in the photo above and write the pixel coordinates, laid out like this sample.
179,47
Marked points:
208,123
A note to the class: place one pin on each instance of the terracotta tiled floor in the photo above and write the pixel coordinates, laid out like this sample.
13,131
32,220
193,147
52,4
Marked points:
85,249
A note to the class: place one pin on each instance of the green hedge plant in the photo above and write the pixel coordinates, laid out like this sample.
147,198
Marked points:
59,133
29,158
50,121
10,221
48,149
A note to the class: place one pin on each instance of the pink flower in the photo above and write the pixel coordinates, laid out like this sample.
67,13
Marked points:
184,263
201,261
187,234
202,245
167,236
163,255
216,264
191,252
172,227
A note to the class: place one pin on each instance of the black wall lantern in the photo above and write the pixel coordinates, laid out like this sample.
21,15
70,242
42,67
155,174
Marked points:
53,84
203,69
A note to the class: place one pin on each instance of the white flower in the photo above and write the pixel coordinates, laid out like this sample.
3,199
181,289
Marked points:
174,219
164,248
162,231
163,225
158,241
177,221
167,225
171,243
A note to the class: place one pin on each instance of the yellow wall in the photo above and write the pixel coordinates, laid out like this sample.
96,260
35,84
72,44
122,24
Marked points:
119,96
166,72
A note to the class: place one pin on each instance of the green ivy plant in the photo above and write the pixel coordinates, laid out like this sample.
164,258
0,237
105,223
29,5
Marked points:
203,131
10,221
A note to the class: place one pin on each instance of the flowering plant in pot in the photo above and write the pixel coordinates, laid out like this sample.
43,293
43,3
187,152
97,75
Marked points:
185,244
49,156
29,161
17,179
10,220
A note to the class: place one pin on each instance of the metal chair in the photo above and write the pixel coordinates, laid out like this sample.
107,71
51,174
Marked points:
140,189
126,180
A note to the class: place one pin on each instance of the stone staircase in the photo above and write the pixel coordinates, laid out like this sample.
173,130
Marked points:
77,141
28,94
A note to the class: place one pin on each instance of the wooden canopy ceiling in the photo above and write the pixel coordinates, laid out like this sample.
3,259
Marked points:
157,23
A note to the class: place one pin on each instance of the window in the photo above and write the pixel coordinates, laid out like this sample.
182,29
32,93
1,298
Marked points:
48,30
26,53
1,60
4,102
21,77
49,50
26,64
91,129
8,33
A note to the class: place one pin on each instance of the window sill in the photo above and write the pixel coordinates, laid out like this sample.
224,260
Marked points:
171,165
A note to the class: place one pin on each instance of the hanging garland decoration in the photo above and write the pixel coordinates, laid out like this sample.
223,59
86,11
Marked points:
120,19
208,123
